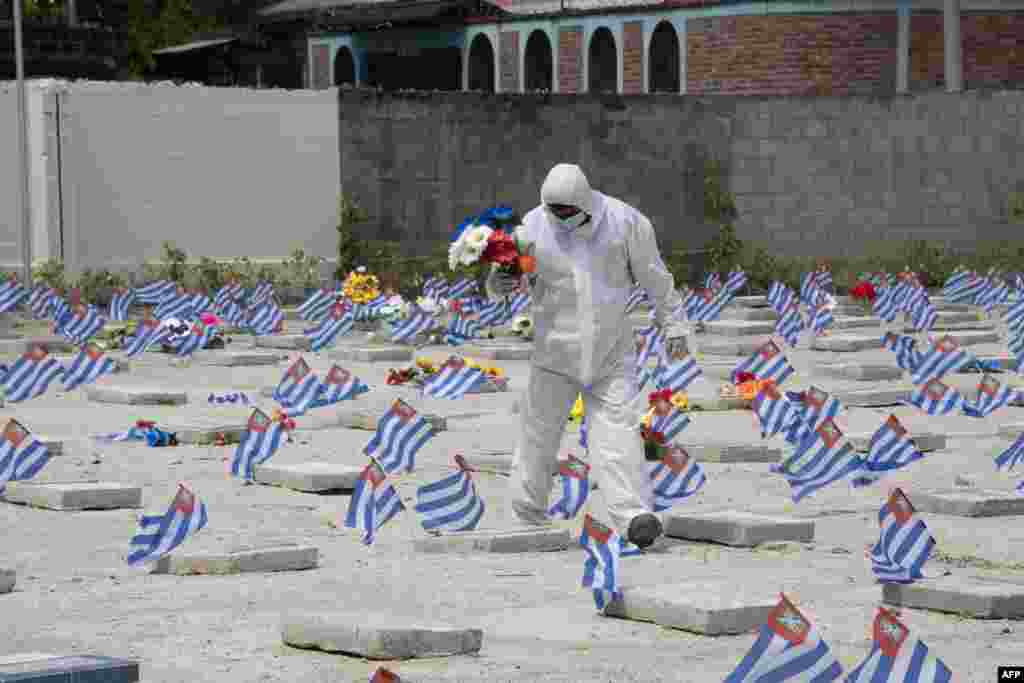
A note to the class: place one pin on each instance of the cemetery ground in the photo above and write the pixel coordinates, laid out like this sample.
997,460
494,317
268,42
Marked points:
74,594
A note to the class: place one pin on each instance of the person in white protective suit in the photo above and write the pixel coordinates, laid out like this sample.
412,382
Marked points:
590,250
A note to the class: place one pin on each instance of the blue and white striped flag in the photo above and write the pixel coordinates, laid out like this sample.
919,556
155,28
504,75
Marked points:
604,549
822,320
992,396
788,648
935,398
649,343
454,379
83,324
22,456
823,457
147,333
435,287
462,288
768,362
119,304
232,313
897,658
964,289
668,421
712,281
231,291
775,412
1014,316
518,303
40,300
298,389
401,432
675,477
316,306
374,502
199,302
262,293
12,293
417,323
460,330
158,535
885,306
709,305
31,374
339,385
924,316
809,288
790,325
178,305
818,407
781,297
197,338
575,479
156,292
907,356
494,313
265,318
452,503
956,281
1012,456
636,297
338,322
88,366
259,442
890,449
904,544
677,374
736,281
944,357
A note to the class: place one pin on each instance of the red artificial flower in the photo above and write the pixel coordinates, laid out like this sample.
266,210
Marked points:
864,290
500,249
145,424
652,437
455,305
656,396
742,377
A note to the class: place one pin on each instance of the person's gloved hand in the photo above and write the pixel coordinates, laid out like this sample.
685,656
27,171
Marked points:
676,344
500,283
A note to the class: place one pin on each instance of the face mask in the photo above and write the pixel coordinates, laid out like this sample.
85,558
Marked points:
572,222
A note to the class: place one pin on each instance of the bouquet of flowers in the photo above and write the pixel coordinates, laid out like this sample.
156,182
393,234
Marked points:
479,240
745,386
361,287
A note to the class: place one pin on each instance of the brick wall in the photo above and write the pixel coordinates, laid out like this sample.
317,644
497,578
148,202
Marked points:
993,48
633,58
570,60
509,42
834,54
927,61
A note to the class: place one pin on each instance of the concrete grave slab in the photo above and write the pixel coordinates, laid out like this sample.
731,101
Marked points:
854,322
873,398
969,503
310,477
976,597
496,461
727,453
288,342
235,359
847,342
720,370
739,328
1003,363
709,608
377,636
200,432
717,346
735,528
926,441
135,396
8,577
53,445
497,352
747,313
355,418
525,540
51,668
860,372
973,337
371,354
719,403
1011,431
54,344
280,558
752,301
81,495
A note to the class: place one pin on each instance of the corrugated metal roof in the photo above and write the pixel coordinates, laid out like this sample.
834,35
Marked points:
290,6
197,45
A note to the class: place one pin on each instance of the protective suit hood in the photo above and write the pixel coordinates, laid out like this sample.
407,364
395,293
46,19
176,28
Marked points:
566,184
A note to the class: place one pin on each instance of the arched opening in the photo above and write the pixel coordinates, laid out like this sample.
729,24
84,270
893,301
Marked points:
603,62
663,60
344,67
539,65
481,64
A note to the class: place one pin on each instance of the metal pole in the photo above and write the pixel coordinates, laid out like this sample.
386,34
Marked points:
26,203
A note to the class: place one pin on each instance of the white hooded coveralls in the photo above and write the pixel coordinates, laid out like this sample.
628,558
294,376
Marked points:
583,342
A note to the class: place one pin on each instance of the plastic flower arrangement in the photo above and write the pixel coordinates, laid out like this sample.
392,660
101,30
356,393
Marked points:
430,305
361,287
746,386
489,370
480,240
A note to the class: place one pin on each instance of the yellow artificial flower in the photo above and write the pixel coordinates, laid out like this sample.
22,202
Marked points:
495,372
680,400
577,409
475,365
426,365
645,421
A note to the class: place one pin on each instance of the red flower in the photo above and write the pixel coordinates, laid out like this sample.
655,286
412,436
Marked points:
145,424
742,377
864,290
500,249
663,395
652,437
455,305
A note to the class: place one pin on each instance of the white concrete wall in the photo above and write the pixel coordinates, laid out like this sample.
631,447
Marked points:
221,172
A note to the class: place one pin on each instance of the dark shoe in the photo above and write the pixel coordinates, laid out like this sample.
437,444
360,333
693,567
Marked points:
644,530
